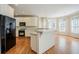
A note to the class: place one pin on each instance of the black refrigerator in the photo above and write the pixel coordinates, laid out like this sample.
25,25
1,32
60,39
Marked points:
7,33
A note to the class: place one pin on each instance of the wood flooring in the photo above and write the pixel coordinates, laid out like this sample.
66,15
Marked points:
22,46
63,45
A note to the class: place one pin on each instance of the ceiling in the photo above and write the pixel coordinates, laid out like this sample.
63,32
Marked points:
45,10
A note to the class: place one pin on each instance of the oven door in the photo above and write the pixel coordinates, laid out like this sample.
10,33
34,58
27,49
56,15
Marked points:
21,33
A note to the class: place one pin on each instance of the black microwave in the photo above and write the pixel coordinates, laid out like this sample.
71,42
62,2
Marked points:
22,24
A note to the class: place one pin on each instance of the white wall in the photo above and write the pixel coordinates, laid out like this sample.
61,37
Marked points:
68,25
5,9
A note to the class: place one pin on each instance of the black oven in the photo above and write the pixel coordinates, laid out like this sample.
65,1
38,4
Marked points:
21,33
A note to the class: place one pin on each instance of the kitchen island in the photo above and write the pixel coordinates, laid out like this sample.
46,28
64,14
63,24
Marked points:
42,40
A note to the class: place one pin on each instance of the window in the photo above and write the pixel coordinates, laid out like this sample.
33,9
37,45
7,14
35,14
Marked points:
52,24
62,25
75,25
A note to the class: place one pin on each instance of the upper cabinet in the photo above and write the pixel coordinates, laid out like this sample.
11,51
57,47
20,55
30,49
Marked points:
7,10
30,21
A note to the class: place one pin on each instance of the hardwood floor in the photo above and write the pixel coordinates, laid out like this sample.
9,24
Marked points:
63,45
22,47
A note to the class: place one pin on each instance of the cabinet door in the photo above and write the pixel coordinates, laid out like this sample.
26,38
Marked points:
34,43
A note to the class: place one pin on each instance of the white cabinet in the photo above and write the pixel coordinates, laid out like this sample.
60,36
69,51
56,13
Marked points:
30,21
34,21
34,42
41,41
27,33
5,9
